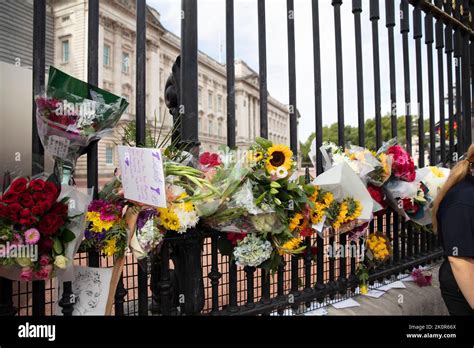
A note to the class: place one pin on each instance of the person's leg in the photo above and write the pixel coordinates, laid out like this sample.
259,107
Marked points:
452,296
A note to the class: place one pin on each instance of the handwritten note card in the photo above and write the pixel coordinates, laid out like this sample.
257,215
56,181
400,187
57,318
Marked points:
143,176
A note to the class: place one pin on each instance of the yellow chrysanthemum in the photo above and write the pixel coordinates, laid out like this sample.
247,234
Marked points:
110,247
169,219
364,289
289,246
98,225
297,222
279,156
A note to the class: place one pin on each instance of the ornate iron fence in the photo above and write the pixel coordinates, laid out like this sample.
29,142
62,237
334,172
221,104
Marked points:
190,264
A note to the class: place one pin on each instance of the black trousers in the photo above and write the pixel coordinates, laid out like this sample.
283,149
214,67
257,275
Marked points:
452,295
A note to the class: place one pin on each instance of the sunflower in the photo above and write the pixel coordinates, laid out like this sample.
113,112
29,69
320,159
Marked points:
297,222
317,214
289,246
279,156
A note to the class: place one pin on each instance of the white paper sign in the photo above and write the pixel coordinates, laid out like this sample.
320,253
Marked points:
143,177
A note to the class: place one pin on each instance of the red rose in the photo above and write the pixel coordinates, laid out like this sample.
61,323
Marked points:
10,197
376,194
51,191
60,209
215,160
41,208
50,224
205,158
15,208
26,200
403,166
25,213
36,185
27,221
18,185
37,196
45,244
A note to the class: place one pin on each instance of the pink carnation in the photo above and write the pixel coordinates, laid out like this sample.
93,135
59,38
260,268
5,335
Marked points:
32,236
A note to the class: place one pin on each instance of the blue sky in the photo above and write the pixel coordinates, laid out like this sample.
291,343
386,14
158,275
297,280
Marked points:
211,34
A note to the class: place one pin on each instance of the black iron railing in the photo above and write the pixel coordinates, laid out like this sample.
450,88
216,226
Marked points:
190,264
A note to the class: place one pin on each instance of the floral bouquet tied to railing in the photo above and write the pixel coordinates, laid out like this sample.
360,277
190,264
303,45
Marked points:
70,115
38,231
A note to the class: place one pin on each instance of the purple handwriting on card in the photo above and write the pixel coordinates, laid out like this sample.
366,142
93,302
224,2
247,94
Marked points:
143,175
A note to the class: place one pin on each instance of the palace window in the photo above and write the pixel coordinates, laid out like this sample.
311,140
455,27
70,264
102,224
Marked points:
106,55
65,51
109,154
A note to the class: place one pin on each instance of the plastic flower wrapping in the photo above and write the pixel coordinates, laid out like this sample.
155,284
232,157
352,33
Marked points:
371,167
41,226
342,200
70,115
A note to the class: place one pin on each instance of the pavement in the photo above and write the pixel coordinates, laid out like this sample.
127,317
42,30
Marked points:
409,300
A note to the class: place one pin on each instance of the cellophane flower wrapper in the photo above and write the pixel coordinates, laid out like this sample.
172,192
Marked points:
79,201
227,179
397,190
434,178
72,113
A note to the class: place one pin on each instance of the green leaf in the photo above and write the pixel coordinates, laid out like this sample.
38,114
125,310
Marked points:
67,236
265,143
57,246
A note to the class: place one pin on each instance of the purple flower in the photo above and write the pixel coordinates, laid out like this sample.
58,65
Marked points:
101,235
144,216
88,234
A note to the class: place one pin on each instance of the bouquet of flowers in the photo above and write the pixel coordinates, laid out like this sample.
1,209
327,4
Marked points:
70,115
36,229
378,251
106,231
403,166
434,178
348,205
259,206
369,166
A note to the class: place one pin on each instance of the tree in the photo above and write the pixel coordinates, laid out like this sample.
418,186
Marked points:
351,134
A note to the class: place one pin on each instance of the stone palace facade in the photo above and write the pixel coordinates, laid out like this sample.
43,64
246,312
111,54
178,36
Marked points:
117,74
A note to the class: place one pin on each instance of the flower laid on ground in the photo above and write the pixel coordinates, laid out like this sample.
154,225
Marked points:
31,216
422,278
252,251
106,231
